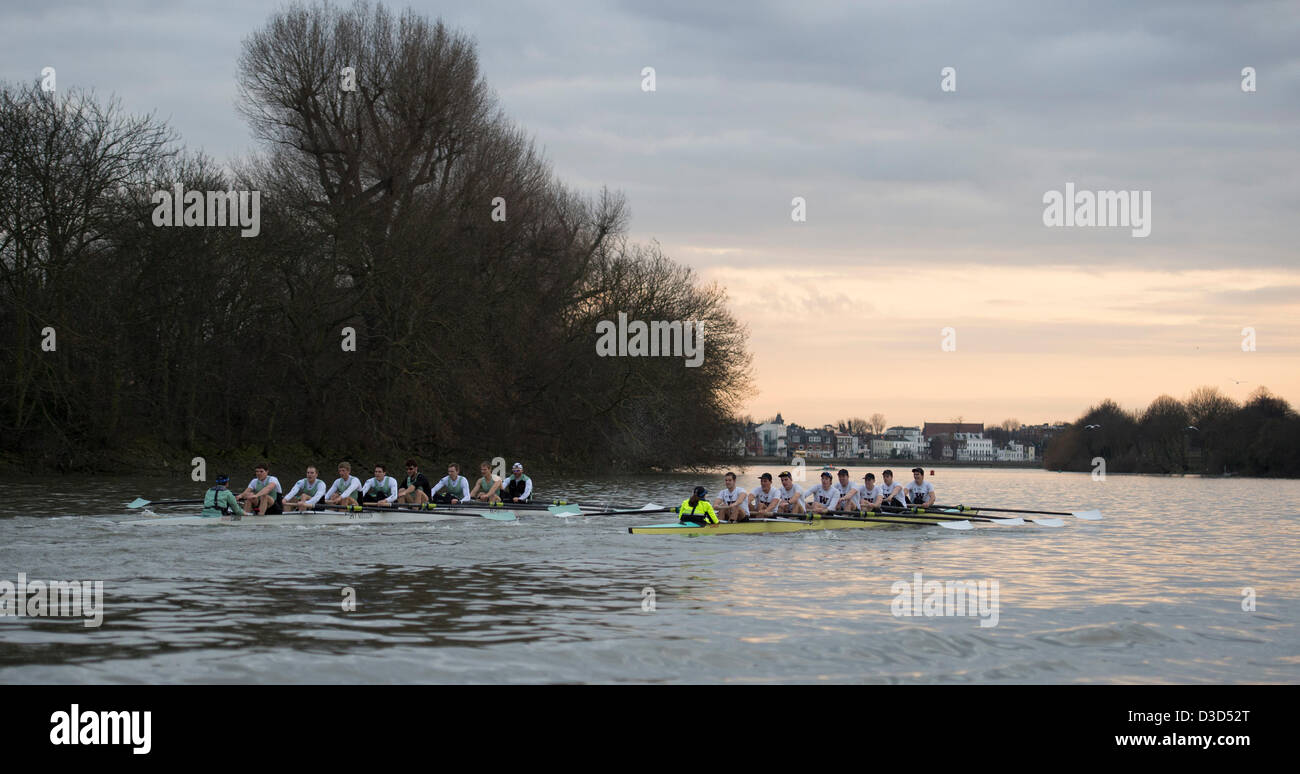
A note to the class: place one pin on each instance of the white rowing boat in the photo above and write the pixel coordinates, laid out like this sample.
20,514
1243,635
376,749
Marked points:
317,518
401,515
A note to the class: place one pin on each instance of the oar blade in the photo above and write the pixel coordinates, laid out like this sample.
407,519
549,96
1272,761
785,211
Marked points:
955,525
1016,522
500,516
564,510
138,502
1049,522
1092,515
653,507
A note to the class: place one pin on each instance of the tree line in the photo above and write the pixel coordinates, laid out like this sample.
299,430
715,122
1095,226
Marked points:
408,210
1207,433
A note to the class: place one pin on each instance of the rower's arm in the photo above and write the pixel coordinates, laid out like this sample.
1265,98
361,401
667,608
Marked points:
528,489
436,487
390,499
320,492
233,504
292,492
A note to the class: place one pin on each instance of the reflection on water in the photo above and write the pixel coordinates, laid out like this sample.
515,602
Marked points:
1153,593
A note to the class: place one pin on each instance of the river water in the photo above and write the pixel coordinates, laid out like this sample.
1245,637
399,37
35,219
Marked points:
1153,593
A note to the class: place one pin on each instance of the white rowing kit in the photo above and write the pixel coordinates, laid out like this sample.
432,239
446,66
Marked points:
826,497
917,494
458,489
792,495
272,480
389,485
345,487
766,498
884,489
733,496
307,490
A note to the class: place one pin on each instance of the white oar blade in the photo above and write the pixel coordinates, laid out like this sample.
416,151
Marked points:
1016,522
1049,522
955,525
138,502
653,507
564,510
1092,515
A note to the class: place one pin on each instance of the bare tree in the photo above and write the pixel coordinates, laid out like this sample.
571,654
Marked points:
877,422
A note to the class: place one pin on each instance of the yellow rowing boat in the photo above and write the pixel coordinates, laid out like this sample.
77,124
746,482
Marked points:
786,524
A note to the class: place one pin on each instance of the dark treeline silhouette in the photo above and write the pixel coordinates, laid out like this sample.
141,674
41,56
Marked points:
1207,433
473,335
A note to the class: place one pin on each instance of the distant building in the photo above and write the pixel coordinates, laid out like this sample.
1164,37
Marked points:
846,446
771,438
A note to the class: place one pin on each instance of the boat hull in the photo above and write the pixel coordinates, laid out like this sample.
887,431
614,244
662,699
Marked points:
301,519
761,526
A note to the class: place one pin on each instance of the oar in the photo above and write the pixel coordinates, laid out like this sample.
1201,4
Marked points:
1089,515
941,517
140,502
492,515
574,510
964,513
945,523
1009,521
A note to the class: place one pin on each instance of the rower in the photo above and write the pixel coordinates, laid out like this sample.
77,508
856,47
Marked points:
454,487
416,489
307,492
518,488
790,495
696,510
263,494
345,488
869,494
920,493
824,496
220,501
848,492
891,493
765,499
732,502
486,487
380,490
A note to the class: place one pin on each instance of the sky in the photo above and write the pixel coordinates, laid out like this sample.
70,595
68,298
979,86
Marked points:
924,206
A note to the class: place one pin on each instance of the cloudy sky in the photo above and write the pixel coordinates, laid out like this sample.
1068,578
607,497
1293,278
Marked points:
924,206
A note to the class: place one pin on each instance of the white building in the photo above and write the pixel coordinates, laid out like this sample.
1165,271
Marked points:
974,447
1015,452
884,448
772,436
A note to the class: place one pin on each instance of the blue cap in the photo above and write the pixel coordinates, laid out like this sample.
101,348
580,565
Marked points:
700,491
222,478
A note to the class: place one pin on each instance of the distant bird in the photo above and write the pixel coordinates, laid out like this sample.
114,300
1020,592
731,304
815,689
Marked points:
1192,427
1237,381
1092,427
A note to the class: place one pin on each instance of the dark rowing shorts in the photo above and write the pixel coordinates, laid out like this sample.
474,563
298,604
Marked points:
371,497
277,507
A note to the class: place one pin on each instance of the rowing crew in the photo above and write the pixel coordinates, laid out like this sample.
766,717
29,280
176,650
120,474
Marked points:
265,496
735,504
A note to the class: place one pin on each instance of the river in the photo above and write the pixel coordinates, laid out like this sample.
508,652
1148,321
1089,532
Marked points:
1153,593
